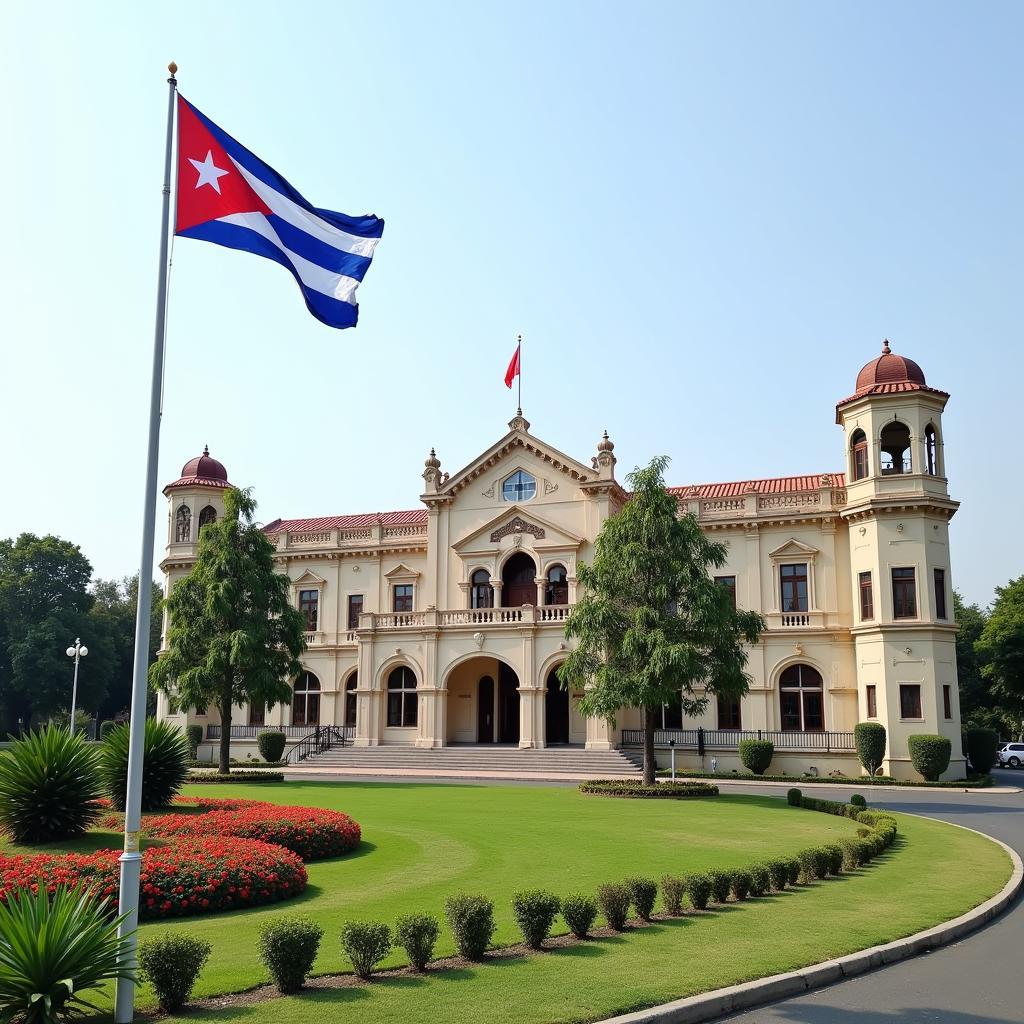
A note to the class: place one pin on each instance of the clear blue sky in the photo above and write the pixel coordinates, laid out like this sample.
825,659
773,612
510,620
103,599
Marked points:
704,218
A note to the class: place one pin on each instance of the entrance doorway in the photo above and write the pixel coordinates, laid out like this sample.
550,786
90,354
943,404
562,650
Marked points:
556,711
518,578
508,704
485,711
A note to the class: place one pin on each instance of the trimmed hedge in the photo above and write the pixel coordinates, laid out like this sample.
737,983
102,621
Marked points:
636,789
740,882
416,934
366,943
171,964
579,913
271,745
535,911
980,781
471,919
287,947
194,736
756,755
793,797
673,890
929,754
869,738
642,894
982,745
698,889
614,898
212,778
721,883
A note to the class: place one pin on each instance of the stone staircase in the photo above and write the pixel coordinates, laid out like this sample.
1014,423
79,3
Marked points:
479,761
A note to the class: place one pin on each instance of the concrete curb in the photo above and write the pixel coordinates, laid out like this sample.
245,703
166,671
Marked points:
810,788
736,998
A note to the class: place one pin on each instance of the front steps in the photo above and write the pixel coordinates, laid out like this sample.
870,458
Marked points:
484,761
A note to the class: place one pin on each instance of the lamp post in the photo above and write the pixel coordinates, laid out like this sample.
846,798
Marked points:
77,652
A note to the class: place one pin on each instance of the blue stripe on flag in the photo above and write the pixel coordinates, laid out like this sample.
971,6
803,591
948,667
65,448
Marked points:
366,227
320,253
330,311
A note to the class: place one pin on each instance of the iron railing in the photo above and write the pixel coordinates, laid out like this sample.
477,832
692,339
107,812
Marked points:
729,739
325,737
250,732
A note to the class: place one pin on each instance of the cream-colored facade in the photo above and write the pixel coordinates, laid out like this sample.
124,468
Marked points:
445,624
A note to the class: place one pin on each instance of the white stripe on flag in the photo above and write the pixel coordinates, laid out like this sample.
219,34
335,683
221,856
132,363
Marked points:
337,286
306,221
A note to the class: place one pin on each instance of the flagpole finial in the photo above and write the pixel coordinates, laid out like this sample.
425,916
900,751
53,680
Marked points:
173,68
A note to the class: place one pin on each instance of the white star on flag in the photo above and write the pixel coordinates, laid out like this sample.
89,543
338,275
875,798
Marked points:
209,174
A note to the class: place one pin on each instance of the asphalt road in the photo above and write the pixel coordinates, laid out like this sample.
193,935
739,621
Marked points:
977,981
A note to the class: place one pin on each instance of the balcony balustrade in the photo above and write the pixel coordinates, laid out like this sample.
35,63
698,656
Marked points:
729,739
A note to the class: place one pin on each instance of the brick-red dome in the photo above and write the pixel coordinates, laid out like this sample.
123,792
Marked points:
890,368
203,471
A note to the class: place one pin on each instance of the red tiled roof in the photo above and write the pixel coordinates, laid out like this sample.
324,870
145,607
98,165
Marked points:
770,485
197,481
415,515
891,388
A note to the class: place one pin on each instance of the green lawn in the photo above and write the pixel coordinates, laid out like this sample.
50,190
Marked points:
422,842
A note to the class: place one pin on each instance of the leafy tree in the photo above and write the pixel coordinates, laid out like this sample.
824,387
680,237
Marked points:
653,625
44,605
233,635
977,705
1001,646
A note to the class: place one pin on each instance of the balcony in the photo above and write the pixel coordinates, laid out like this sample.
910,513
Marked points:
467,618
403,535
318,638
729,739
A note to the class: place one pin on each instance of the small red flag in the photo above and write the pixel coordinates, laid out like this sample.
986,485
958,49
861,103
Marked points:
513,369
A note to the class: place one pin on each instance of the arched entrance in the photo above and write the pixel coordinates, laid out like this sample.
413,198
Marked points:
482,695
519,581
556,711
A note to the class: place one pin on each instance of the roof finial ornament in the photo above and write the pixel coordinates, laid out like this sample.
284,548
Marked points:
206,450
605,445
432,461
886,351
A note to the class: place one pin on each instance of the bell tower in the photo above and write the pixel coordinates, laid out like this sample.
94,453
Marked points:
898,510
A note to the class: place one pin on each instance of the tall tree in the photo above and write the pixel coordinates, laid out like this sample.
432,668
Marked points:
233,635
1001,647
653,626
44,605
977,704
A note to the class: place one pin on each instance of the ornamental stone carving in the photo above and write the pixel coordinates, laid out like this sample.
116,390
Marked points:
517,525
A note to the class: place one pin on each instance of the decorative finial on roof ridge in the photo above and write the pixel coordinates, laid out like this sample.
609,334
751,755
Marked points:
605,445
206,450
886,351
432,461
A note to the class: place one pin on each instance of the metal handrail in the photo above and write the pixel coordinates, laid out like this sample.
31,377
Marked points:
322,738
700,738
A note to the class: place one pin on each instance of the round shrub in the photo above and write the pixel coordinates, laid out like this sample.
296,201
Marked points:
416,934
793,797
794,870
869,738
164,764
929,755
471,919
673,889
760,879
613,898
721,883
756,755
822,862
642,894
49,785
740,884
171,964
579,913
193,736
835,858
808,864
858,801
865,850
779,871
852,854
312,832
535,912
53,948
698,889
271,745
982,745
105,726
366,943
287,947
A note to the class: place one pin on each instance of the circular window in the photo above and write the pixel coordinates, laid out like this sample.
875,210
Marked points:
519,486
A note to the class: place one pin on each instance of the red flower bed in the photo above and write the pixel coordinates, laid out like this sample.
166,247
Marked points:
311,832
194,876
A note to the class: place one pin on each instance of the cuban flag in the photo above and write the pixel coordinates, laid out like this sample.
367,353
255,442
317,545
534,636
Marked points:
228,196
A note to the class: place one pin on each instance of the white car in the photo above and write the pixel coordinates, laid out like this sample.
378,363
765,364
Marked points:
1011,755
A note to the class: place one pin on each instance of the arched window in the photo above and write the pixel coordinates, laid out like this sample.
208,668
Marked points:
859,450
207,516
931,451
183,525
306,701
518,576
801,699
895,449
402,705
350,699
480,594
557,589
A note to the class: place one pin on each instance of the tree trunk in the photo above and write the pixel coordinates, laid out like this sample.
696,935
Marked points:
224,762
649,762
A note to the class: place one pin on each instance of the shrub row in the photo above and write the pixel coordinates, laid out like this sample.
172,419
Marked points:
636,789
253,775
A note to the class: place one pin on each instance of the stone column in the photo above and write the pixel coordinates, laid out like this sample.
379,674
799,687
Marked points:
599,734
368,708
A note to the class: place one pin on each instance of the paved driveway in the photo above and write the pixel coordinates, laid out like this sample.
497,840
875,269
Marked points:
977,981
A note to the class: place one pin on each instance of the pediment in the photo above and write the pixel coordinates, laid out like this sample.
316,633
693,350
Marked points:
309,579
401,572
515,520
793,548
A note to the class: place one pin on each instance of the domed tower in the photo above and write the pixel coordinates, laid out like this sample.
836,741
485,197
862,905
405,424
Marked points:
898,510
194,499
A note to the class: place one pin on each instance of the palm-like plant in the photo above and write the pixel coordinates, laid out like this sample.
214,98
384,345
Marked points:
49,782
54,948
165,764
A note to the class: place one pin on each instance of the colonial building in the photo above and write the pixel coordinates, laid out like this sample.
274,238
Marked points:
445,624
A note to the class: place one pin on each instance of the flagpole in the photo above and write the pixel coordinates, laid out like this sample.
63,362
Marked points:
519,346
131,858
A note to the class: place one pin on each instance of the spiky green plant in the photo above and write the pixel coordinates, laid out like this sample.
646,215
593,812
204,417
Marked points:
165,764
54,948
49,782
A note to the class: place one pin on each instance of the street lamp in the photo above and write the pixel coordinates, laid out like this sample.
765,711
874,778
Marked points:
77,652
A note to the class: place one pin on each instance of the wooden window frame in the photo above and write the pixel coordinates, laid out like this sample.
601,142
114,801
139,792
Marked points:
794,580
728,705
408,699
729,582
871,700
803,690
913,692
310,607
867,596
941,609
396,597
901,587
947,701
349,605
